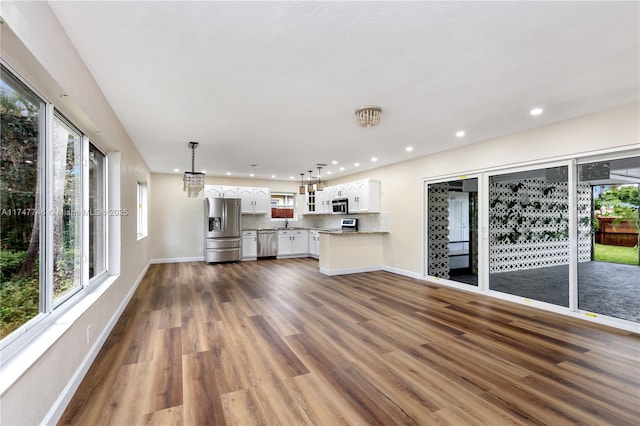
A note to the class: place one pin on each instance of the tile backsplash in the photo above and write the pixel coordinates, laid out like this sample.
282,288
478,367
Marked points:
366,221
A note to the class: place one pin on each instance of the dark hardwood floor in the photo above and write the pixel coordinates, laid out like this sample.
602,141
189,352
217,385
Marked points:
275,342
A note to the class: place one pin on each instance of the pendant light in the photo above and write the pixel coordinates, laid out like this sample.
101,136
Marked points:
193,181
310,189
319,185
302,188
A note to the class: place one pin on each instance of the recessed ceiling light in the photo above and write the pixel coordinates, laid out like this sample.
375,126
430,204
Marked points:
356,164
460,133
329,172
228,173
273,176
536,111
252,174
291,177
334,162
374,159
176,170
409,149
342,169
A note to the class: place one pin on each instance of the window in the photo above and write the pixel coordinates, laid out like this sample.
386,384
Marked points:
97,213
53,202
142,210
67,211
22,119
282,205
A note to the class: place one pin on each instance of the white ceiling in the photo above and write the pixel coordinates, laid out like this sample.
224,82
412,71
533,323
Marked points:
276,84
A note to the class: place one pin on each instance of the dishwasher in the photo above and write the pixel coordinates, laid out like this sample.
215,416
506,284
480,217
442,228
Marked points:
267,243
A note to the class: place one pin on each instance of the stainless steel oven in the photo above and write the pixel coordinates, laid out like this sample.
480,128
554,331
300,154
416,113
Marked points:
340,206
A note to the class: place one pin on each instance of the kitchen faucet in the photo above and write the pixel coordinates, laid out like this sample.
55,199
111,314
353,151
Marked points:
286,223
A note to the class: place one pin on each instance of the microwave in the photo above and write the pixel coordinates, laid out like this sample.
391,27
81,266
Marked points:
340,206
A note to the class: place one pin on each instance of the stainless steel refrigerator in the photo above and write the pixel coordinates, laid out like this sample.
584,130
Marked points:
223,238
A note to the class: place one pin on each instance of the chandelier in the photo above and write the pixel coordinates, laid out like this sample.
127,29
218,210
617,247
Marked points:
369,116
193,181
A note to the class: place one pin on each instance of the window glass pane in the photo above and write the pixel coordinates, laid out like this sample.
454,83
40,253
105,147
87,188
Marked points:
608,238
67,208
20,195
97,209
529,234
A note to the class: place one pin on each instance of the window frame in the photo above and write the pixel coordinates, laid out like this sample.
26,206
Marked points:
50,311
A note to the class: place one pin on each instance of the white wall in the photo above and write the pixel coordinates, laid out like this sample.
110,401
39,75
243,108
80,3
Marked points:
36,46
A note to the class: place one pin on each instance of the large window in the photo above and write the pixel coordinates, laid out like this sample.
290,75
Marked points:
21,168
53,195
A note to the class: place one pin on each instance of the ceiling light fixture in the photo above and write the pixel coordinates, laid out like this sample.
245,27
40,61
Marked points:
319,185
536,111
368,116
302,190
409,149
193,181
460,133
310,184
374,159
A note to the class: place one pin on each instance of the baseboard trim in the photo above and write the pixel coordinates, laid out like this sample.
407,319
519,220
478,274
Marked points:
177,260
56,411
344,271
403,272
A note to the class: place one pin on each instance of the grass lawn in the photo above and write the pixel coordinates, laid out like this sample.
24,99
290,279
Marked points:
615,254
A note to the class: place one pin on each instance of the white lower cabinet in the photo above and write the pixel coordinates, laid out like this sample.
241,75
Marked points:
293,242
249,244
314,244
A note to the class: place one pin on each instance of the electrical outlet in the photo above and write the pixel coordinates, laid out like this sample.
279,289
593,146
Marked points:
88,334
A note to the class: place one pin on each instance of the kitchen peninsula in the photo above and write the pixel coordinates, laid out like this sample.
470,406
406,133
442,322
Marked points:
347,252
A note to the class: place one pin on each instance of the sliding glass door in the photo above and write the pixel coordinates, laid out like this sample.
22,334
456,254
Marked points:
453,230
608,271
529,234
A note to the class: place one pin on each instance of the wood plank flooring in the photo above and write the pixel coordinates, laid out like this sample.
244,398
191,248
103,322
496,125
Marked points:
275,342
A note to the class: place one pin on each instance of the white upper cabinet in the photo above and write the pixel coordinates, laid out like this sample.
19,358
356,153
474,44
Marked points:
254,200
323,200
364,196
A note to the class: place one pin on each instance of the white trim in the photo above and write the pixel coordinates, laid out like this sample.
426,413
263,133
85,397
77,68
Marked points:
345,271
177,260
55,412
402,272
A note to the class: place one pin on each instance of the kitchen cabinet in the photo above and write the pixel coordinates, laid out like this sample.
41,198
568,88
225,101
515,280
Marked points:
254,200
249,245
314,243
364,196
310,203
341,191
323,200
220,191
293,242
